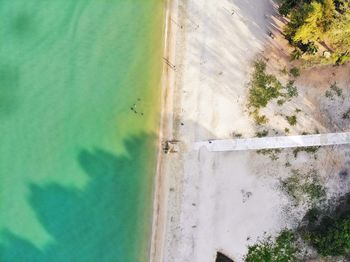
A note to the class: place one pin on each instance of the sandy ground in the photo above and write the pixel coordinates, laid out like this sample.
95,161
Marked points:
207,202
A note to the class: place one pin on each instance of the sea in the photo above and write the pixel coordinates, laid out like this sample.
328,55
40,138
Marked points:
79,115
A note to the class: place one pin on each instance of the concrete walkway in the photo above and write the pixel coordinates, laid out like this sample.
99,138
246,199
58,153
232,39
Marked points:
274,142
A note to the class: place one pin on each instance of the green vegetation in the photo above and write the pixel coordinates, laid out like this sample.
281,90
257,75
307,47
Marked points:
272,153
280,102
328,230
318,23
259,119
294,71
336,89
292,120
307,149
328,94
262,133
333,91
292,91
324,228
283,249
304,187
331,238
346,115
264,87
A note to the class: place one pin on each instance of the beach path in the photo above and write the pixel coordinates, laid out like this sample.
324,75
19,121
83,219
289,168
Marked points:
258,143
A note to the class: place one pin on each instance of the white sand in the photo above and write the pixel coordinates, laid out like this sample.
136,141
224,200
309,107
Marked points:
202,202
202,193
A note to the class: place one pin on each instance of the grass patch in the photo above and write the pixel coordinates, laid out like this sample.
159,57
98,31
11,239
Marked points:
328,94
336,89
291,90
292,120
262,133
259,119
304,187
271,153
264,88
333,91
307,149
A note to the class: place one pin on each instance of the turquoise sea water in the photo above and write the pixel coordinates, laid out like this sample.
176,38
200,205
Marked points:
79,108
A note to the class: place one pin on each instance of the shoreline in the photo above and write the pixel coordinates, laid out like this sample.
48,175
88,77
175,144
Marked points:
165,131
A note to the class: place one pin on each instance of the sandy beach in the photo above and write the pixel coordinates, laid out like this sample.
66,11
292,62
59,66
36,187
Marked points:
211,44
207,202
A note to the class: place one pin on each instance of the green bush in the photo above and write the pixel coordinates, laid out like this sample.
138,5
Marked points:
283,249
280,102
262,133
294,71
291,89
263,87
331,237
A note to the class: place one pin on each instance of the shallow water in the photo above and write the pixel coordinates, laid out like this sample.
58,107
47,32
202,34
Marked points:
76,162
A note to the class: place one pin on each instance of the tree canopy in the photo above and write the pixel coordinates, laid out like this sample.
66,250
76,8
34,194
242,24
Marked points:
318,22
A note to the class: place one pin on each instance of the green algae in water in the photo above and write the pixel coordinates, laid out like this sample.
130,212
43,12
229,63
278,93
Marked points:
76,163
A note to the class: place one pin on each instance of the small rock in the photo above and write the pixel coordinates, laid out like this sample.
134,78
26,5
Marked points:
327,54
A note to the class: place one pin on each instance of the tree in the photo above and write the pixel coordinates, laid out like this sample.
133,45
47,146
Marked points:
326,21
338,34
287,5
311,28
297,19
328,14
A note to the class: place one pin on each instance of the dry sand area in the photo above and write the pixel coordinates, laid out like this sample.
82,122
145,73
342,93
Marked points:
208,202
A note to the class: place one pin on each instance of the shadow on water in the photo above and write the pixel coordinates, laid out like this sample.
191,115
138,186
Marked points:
103,222
23,24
